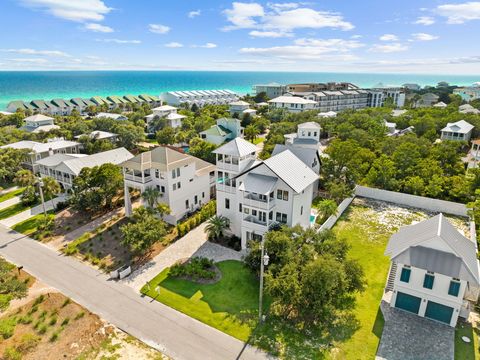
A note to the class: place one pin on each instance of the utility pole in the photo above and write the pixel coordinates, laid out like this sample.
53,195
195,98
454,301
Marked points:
263,262
40,184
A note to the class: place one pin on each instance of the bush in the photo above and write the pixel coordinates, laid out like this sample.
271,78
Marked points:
53,321
5,301
80,315
54,336
26,319
66,302
42,329
7,327
197,268
39,300
12,353
28,342
61,205
65,321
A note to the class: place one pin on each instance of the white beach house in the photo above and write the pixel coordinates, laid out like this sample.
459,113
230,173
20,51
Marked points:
258,195
293,103
224,130
38,123
185,182
460,131
434,271
199,97
169,113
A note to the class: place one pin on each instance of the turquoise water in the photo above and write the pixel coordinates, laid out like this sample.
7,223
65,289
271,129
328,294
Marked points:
30,85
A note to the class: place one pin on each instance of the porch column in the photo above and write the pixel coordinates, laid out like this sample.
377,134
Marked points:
128,201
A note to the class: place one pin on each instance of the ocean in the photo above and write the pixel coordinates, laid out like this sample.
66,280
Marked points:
47,85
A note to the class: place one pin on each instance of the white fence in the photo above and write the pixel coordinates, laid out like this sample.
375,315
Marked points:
328,224
419,202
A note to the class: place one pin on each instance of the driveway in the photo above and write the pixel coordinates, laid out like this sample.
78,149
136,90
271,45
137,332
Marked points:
409,337
193,243
167,330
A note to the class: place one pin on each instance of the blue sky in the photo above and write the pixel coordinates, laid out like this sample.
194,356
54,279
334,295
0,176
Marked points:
353,36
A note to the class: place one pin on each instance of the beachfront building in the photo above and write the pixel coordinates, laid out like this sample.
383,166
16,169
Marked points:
66,167
271,90
259,195
184,182
412,86
167,112
292,103
434,271
468,93
459,131
378,95
337,100
241,108
39,123
468,109
118,117
199,97
316,87
64,107
225,129
19,105
38,151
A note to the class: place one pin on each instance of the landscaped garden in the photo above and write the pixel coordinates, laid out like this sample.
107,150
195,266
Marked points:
230,304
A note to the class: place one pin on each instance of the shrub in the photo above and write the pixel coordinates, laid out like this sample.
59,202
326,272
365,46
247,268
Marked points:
5,301
33,310
28,342
65,321
26,319
39,300
7,327
54,336
42,329
66,302
11,353
197,268
80,315
53,320
61,205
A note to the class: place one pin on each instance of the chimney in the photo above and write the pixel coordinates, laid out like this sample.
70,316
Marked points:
50,152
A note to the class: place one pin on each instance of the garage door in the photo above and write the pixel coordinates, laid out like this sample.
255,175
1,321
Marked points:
408,302
439,312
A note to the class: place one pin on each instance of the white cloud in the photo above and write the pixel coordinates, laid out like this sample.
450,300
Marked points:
28,60
98,28
425,20
424,37
269,34
158,28
242,15
389,37
460,13
389,48
356,37
173,45
208,45
120,41
310,49
52,53
282,17
194,13
73,10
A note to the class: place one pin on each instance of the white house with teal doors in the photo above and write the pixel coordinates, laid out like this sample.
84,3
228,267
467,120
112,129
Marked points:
434,270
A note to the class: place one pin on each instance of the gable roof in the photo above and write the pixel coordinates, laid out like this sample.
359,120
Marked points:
236,147
440,104
39,147
98,134
216,130
461,126
309,124
291,170
37,118
239,103
438,228
307,155
111,116
115,156
58,158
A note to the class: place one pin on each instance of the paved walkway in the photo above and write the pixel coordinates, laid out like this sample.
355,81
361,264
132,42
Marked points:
27,214
192,244
7,190
410,337
9,202
167,330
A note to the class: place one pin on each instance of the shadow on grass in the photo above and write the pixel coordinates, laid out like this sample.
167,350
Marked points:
378,325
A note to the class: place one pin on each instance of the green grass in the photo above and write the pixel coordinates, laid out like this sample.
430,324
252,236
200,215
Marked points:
368,240
230,305
30,226
11,194
464,351
258,140
13,210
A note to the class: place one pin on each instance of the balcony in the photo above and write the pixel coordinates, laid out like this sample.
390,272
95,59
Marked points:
252,200
225,188
138,179
227,166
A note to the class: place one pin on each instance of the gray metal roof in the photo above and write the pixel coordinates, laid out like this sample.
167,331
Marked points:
307,155
435,229
259,184
236,147
291,170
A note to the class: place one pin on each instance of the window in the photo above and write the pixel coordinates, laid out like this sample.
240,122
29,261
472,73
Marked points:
454,288
246,210
173,174
279,194
240,207
282,194
405,275
179,185
157,173
280,217
203,195
174,187
227,203
178,172
285,195
428,281
301,210
187,205
196,199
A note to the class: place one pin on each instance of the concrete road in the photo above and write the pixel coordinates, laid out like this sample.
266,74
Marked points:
168,330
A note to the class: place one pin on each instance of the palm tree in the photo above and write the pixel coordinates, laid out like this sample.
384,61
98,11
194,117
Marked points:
151,195
216,226
51,187
327,208
251,132
24,178
163,209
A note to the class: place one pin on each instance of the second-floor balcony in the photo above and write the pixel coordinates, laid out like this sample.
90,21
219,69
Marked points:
258,201
139,179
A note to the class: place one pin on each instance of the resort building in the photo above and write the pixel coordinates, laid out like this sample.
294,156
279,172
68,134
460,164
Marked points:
38,151
434,271
100,135
316,87
241,108
118,117
272,90
38,123
412,86
184,182
150,100
259,195
337,100
66,167
41,106
169,113
64,107
378,95
468,109
468,93
460,130
226,129
199,97
15,105
292,103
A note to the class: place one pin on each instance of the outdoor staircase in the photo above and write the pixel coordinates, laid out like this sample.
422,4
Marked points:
391,277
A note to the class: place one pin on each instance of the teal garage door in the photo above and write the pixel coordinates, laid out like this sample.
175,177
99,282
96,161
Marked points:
408,302
439,312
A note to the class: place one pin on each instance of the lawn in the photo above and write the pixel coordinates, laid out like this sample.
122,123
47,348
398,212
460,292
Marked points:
230,305
30,226
11,194
464,351
258,140
13,210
